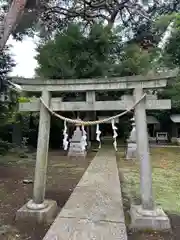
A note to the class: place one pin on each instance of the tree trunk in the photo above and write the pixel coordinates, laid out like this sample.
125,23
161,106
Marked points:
112,19
10,20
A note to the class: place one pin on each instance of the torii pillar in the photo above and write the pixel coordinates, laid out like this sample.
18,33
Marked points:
146,215
38,208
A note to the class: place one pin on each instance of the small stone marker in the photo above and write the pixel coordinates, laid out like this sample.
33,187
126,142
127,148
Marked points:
76,148
132,145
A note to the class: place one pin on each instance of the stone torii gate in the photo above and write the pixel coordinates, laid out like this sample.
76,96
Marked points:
43,209
57,104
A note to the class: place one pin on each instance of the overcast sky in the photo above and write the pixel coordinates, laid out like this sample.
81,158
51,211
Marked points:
23,54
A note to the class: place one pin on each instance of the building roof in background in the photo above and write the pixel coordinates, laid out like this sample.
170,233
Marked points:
152,120
175,118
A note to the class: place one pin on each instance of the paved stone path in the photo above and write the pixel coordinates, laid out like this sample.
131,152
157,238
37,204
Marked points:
94,210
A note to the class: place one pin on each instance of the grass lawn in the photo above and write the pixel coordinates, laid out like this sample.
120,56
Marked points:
166,180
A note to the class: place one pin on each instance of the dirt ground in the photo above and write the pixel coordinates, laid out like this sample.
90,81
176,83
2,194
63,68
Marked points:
63,176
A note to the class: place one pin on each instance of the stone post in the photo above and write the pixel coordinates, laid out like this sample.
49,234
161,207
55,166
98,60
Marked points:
38,208
90,99
17,131
146,215
88,118
131,143
143,151
42,151
93,127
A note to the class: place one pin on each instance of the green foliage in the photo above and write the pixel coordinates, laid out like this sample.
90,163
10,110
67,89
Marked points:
171,59
135,60
100,53
7,114
72,54
163,21
171,56
6,65
5,146
172,91
47,16
23,99
172,53
7,106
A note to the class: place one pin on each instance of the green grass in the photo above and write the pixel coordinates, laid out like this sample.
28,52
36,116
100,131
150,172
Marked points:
165,175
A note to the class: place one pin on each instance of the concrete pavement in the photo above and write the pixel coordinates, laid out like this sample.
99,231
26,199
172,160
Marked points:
94,210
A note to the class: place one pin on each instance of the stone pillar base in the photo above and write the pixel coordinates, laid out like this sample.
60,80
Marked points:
77,155
142,219
45,215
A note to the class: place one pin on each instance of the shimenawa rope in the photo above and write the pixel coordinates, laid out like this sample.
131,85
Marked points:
88,123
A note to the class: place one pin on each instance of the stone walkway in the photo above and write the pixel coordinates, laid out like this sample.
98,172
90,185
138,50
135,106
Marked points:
94,211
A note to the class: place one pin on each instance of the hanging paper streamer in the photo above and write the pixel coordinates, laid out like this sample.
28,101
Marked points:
114,128
65,141
98,133
84,138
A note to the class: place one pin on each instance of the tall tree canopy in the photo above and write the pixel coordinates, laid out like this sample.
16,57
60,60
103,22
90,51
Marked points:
49,15
101,52
171,59
73,54
172,50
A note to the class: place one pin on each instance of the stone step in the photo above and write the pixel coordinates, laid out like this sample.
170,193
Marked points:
95,209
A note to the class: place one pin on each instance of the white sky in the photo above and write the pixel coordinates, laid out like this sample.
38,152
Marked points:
23,54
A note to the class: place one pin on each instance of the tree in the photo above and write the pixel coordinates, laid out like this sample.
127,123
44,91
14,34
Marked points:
100,53
90,11
7,24
172,50
54,15
172,92
10,20
50,15
72,54
6,65
171,59
149,33
46,16
134,60
8,98
57,13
